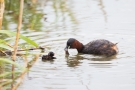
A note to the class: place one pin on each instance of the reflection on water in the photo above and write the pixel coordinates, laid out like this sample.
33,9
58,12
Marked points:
77,60
31,16
73,61
102,9
97,19
103,58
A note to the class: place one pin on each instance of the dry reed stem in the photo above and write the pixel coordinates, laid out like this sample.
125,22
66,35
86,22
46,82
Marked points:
34,1
17,35
8,44
2,6
18,29
25,71
2,52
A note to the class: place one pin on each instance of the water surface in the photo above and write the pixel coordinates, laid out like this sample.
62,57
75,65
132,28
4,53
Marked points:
90,19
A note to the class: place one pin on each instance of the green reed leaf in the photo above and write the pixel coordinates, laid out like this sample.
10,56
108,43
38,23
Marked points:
11,62
27,39
9,73
5,46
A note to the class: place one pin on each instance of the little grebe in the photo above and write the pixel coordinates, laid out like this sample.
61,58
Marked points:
96,47
49,56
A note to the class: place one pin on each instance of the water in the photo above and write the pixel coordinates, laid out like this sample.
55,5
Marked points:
92,19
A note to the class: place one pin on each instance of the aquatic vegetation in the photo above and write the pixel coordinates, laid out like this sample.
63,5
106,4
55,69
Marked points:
33,18
12,73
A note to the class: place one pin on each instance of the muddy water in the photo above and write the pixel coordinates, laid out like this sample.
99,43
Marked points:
95,19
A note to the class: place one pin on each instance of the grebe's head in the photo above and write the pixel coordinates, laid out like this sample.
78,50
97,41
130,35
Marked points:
70,43
73,44
51,54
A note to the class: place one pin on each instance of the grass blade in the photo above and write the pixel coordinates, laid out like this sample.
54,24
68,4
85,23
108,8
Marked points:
11,62
5,47
27,39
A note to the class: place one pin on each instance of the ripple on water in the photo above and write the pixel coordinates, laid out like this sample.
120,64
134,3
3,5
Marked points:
97,20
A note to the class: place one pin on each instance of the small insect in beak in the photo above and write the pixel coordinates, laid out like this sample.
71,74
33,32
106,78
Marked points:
66,50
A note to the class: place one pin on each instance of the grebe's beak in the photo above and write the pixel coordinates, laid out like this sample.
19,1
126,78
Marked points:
66,50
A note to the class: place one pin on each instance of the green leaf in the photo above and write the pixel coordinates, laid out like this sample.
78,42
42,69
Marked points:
2,41
5,46
28,40
8,73
11,62
9,33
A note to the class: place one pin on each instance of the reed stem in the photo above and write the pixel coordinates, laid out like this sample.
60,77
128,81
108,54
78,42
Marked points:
17,35
18,29
2,6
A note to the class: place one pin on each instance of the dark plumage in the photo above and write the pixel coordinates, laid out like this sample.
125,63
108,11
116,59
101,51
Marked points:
96,47
49,56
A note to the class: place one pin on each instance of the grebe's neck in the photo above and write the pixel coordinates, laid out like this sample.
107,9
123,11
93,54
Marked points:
80,48
78,45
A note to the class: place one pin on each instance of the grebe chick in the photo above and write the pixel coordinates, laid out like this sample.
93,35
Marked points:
49,56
